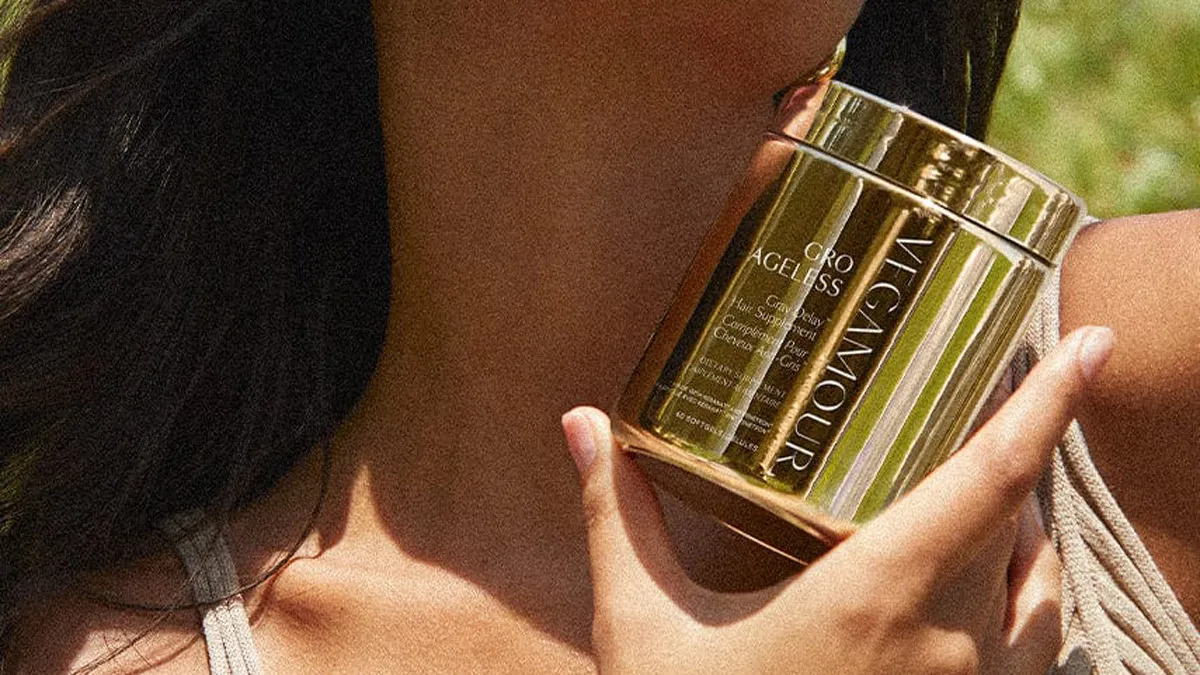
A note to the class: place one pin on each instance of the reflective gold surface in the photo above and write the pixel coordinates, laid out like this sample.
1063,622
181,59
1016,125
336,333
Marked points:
842,323
934,161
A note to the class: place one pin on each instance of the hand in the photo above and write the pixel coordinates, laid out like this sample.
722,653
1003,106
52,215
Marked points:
956,577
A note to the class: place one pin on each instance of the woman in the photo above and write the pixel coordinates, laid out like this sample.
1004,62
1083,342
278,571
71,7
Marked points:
537,159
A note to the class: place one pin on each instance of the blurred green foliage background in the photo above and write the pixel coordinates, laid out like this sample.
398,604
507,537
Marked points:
1104,96
10,11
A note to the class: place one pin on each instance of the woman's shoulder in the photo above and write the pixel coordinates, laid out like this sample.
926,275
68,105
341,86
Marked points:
1141,277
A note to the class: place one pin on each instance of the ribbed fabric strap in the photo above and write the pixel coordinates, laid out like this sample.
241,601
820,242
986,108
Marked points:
214,581
1118,611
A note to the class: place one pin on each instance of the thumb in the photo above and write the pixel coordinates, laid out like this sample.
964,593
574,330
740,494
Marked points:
632,560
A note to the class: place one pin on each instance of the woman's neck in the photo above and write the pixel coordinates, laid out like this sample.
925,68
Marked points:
524,201
543,210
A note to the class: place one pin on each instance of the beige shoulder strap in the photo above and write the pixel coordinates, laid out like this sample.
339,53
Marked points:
214,582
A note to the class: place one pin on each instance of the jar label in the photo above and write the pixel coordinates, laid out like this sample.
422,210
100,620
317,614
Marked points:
793,322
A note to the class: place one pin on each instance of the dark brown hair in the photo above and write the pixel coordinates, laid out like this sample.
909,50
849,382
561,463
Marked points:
193,247
193,264
942,58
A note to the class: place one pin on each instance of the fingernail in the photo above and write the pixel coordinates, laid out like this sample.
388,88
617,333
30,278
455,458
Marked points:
581,438
1094,348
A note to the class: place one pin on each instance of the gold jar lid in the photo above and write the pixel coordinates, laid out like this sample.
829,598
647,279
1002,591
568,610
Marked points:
937,163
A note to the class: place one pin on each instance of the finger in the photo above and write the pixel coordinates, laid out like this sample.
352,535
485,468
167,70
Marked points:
947,517
632,560
1034,630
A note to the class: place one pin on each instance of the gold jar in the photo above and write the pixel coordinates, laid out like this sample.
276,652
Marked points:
843,321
